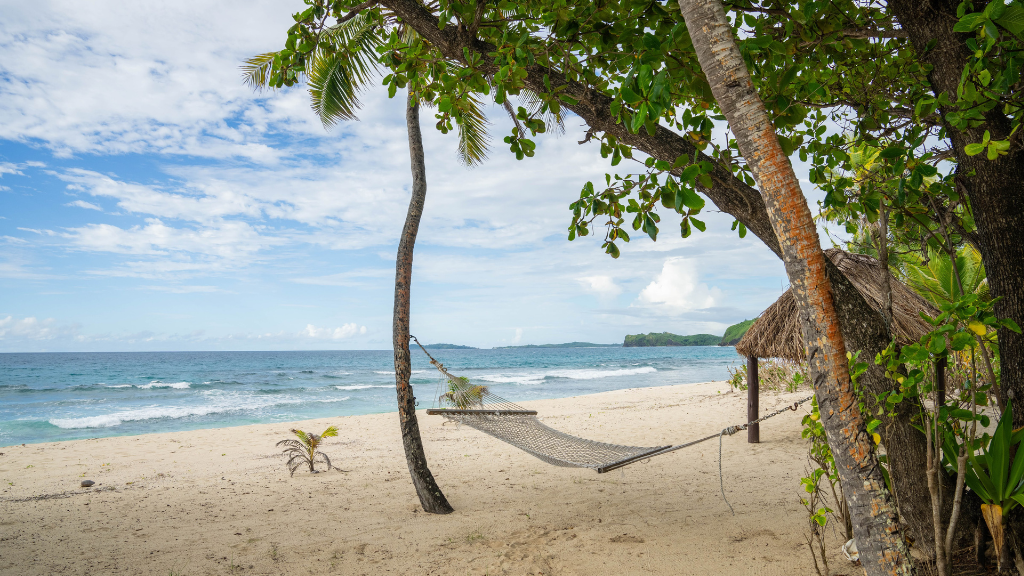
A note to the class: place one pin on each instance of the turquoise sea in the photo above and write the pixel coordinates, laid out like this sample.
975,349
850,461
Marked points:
63,396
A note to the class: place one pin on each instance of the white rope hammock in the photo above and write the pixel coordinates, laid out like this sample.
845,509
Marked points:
476,407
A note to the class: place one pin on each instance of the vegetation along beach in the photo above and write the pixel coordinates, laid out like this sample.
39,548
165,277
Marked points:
491,287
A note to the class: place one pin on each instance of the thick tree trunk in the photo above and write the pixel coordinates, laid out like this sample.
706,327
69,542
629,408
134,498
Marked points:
879,539
863,328
994,187
431,497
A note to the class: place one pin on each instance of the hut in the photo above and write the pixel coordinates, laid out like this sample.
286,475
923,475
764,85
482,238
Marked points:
776,332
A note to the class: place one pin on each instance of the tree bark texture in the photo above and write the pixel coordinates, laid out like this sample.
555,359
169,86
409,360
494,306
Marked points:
882,547
431,497
993,190
994,187
863,327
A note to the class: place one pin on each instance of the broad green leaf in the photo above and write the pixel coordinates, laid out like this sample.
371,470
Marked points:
969,22
986,490
690,199
892,152
999,452
788,77
630,97
1012,19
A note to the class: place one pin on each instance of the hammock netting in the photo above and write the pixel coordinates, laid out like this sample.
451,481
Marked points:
475,406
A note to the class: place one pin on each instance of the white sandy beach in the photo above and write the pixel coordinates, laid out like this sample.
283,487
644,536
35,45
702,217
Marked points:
221,501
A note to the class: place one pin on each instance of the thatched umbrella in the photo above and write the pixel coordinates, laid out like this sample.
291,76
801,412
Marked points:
776,332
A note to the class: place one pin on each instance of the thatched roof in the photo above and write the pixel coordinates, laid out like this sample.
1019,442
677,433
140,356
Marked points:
776,333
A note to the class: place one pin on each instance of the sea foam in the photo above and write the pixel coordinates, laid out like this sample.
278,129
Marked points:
220,405
534,378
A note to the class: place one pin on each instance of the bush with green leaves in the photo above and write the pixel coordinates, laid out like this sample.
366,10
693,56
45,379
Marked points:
306,450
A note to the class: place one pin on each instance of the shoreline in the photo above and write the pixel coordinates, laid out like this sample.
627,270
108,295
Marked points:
220,501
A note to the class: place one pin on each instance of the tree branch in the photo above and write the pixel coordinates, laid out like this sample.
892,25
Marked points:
356,10
728,193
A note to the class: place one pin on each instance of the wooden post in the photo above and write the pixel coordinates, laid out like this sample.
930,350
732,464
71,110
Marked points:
754,431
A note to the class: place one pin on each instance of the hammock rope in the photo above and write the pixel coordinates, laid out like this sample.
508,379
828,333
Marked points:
475,406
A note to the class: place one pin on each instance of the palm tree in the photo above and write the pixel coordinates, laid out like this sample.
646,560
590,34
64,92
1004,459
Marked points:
306,450
338,68
882,547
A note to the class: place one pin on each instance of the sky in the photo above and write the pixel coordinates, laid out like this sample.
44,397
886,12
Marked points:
149,200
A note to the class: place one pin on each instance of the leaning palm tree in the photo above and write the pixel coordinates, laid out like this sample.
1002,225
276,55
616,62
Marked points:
338,66
306,450
881,544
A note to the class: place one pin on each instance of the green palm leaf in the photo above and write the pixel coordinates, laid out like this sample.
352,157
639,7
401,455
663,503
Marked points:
533,103
256,70
937,282
474,141
336,78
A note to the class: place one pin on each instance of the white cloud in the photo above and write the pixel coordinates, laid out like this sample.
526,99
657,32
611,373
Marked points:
84,204
175,289
115,78
31,328
340,333
362,277
228,239
678,289
8,168
603,286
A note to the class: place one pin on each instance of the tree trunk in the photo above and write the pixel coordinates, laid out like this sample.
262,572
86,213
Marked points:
879,539
431,497
993,188
862,326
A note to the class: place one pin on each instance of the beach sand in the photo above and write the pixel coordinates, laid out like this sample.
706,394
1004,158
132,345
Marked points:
222,502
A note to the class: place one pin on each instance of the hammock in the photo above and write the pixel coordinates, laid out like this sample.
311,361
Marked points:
476,407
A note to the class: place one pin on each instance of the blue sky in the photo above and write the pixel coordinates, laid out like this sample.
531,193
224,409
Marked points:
150,201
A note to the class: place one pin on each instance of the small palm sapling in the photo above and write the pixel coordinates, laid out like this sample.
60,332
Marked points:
306,450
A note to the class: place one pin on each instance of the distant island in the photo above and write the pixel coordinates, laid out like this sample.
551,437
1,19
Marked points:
566,345
735,332
449,347
732,336
669,339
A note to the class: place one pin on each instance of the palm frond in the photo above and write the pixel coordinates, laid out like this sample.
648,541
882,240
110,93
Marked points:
474,140
532,102
937,282
332,431
326,459
336,78
256,70
302,436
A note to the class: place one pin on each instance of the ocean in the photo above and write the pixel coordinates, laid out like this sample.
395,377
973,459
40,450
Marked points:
48,397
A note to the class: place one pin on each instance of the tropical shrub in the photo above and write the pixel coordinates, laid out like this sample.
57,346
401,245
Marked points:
306,450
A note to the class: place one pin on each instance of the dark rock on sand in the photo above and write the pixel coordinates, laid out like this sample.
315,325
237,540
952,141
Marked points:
87,483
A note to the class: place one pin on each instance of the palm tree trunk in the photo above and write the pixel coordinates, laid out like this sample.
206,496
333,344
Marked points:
431,497
881,544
